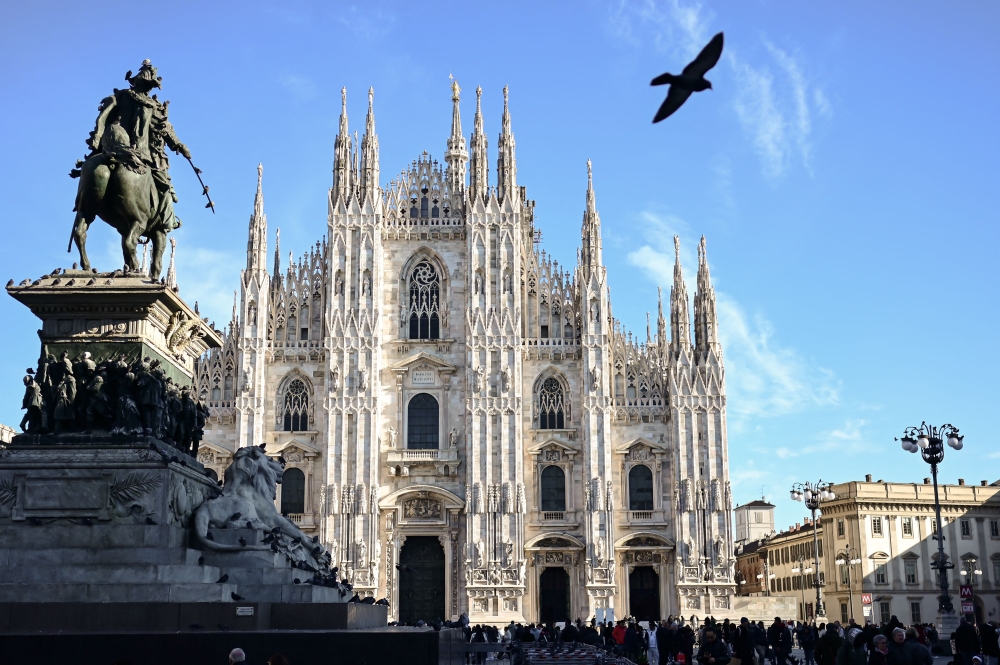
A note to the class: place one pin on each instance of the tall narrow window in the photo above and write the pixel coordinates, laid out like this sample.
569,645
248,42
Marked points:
907,526
881,576
295,407
840,528
293,491
551,405
876,526
422,423
911,572
640,488
966,529
553,489
425,302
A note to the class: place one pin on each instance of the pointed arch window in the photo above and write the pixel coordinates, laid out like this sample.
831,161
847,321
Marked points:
551,405
295,407
640,488
425,302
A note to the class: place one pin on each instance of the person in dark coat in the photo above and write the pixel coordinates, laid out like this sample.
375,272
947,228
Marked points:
988,636
713,651
829,645
879,655
967,642
915,653
780,640
744,646
853,651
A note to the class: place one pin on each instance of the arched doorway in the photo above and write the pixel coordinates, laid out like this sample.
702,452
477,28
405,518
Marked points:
553,596
421,579
644,593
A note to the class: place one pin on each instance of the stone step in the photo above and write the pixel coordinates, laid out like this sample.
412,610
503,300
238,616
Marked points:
60,556
109,574
246,558
291,593
116,593
24,535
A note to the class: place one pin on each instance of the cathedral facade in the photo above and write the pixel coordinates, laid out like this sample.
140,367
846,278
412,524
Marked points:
464,423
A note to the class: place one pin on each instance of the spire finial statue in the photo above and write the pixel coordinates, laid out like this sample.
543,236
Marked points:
677,249
343,98
455,90
590,176
171,271
371,96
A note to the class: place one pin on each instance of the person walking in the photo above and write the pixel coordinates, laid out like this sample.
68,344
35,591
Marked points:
829,645
652,646
967,642
879,655
807,641
988,636
713,651
744,646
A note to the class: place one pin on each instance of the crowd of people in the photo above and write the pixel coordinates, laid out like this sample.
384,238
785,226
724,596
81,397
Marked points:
679,642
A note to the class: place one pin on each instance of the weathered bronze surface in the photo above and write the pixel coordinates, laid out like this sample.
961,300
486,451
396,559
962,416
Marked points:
125,179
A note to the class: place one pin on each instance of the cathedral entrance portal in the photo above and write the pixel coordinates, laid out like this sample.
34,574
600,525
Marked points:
553,597
644,594
421,580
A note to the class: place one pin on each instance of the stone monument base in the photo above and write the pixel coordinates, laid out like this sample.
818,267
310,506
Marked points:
91,522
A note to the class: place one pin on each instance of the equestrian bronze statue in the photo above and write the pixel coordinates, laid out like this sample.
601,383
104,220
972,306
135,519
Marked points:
125,180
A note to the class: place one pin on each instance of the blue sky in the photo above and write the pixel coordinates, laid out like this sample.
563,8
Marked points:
844,171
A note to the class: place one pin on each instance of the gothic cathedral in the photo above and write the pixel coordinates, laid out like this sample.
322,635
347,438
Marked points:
464,423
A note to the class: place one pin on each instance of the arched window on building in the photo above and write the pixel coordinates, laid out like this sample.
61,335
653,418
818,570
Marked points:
295,407
293,491
640,488
422,424
425,302
551,405
553,489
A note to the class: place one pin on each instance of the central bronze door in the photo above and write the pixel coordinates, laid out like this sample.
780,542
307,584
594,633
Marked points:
553,597
644,594
421,582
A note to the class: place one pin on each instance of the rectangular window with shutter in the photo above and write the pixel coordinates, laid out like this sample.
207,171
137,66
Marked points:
881,574
966,529
994,529
840,528
911,572
876,526
908,527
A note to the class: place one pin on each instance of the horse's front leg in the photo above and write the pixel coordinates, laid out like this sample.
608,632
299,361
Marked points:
80,228
129,241
158,237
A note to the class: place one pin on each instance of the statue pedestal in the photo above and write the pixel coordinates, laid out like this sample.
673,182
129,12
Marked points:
94,512
117,314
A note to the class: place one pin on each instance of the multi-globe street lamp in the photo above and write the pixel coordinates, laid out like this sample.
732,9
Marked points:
930,440
849,557
812,494
800,568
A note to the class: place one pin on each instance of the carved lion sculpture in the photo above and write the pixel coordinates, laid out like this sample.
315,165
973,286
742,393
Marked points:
248,496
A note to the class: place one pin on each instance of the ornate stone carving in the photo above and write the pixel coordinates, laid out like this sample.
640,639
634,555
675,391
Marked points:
421,509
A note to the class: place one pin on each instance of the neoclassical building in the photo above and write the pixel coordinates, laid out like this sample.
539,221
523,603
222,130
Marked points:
450,400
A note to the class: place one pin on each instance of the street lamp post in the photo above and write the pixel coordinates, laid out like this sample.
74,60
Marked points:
765,578
930,440
849,557
812,494
800,568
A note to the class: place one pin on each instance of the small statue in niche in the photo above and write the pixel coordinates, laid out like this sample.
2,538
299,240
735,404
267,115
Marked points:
453,438
505,379
391,436
335,379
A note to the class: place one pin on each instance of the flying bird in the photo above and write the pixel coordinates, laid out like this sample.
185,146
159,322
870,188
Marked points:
223,579
242,541
150,521
692,79
402,567
235,596
201,561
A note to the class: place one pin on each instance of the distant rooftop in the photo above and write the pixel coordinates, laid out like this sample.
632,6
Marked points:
759,503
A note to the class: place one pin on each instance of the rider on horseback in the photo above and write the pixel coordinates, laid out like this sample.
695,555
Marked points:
132,133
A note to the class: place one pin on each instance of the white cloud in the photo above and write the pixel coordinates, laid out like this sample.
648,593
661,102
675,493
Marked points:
676,28
847,438
763,377
757,109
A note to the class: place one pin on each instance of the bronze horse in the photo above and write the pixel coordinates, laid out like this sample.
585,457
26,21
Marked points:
124,181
